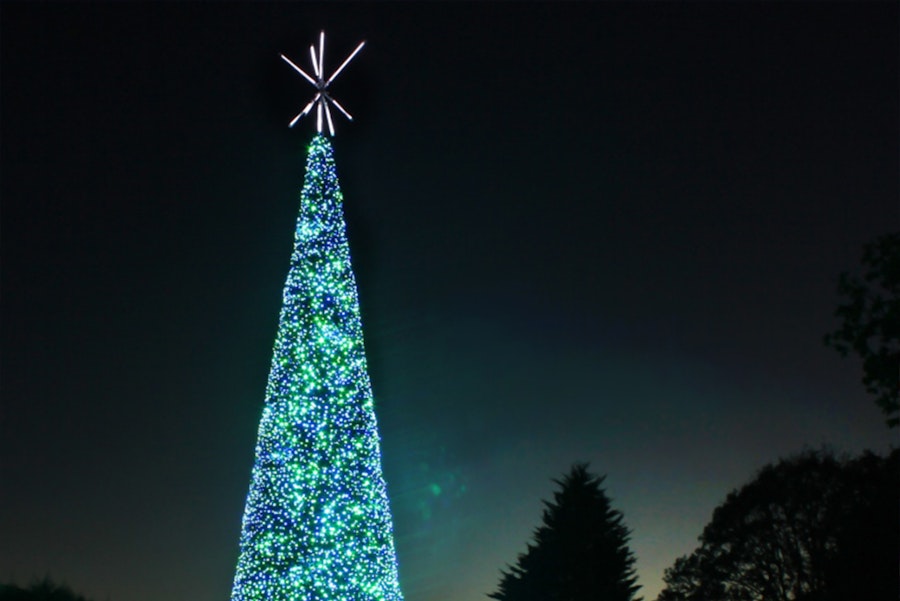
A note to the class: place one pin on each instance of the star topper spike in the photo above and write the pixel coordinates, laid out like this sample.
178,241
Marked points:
322,98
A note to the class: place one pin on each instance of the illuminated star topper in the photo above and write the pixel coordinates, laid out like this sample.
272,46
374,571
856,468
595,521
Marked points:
322,98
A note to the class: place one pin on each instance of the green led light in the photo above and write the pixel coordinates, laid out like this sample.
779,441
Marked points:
317,525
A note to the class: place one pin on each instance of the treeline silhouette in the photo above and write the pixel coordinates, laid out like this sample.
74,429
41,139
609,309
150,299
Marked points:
808,528
811,527
40,590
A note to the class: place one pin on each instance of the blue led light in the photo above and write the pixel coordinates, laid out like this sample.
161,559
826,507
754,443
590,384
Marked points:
317,524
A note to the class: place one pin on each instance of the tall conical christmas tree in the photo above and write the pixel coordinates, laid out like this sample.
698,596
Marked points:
317,526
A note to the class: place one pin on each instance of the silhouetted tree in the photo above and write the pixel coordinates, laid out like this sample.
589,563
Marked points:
809,528
40,590
870,322
579,553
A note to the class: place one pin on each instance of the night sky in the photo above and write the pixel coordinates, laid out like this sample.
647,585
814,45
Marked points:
599,232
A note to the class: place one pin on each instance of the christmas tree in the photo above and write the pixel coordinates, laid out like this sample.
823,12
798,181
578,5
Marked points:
317,525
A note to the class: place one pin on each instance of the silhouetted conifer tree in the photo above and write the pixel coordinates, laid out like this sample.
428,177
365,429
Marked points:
579,553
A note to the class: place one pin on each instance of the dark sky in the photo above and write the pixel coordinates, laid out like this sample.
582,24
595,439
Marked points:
601,232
